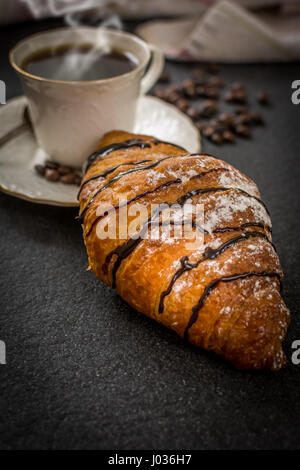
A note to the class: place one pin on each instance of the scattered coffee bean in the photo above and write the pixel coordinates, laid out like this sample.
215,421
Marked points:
208,131
78,180
212,92
228,136
200,126
54,172
159,92
213,122
239,96
40,169
263,98
164,78
51,174
64,170
51,165
221,129
241,110
243,131
257,118
173,97
243,119
207,91
193,113
229,97
189,88
182,104
70,178
175,87
217,138
227,119
208,108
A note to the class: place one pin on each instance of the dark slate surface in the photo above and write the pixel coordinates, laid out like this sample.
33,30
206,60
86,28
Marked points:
84,370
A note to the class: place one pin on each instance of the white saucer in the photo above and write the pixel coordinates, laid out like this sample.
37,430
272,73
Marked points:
19,155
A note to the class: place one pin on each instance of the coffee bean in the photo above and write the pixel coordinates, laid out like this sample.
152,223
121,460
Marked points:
243,119
220,128
263,98
175,87
51,174
207,91
190,91
182,104
200,126
70,178
64,170
164,78
241,110
243,131
217,138
173,97
228,136
208,131
238,96
257,118
212,92
50,164
225,126
208,108
159,92
229,97
78,180
193,113
227,119
40,169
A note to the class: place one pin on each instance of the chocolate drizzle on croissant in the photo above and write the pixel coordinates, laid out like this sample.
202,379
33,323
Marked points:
212,285
151,191
124,250
126,144
209,253
118,176
224,296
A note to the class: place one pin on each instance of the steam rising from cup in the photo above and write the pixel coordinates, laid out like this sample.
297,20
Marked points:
78,13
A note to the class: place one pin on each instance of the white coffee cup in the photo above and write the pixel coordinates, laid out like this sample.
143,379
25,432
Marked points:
69,118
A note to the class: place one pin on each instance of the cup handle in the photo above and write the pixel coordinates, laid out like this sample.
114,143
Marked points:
154,70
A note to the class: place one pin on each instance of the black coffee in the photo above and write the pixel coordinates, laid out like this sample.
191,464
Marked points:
74,63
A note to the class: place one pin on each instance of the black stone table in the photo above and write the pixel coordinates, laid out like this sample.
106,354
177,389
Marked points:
84,370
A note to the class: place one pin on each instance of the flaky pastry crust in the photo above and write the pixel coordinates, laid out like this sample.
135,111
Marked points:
224,295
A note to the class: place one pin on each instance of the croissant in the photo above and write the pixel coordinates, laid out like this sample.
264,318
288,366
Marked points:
223,294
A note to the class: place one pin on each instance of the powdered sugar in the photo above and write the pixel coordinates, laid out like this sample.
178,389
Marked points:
235,206
235,179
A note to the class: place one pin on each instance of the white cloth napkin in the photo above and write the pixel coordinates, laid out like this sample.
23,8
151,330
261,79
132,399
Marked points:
227,33
222,31
20,10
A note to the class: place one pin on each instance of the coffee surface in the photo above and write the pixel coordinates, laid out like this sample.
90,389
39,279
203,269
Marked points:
73,63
